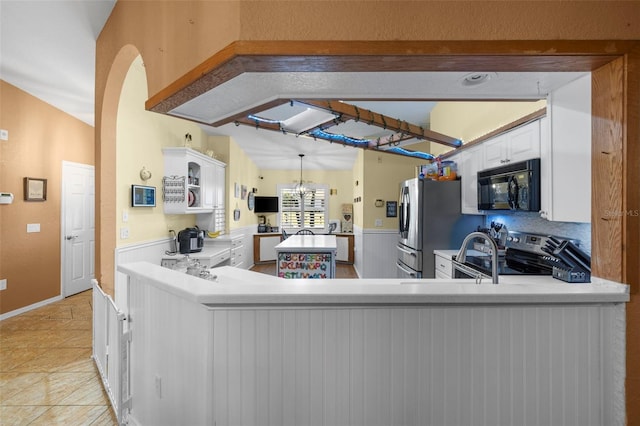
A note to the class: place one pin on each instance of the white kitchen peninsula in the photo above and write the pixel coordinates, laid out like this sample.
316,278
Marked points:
254,349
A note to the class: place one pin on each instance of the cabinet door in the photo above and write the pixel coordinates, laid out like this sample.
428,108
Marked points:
219,187
441,276
267,248
208,186
469,162
494,152
524,142
566,160
443,267
342,253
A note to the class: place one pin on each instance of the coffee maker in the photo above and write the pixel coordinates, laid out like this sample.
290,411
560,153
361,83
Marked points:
190,240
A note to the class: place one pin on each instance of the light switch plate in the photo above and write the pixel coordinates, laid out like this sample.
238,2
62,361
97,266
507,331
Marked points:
3,284
4,135
33,227
124,233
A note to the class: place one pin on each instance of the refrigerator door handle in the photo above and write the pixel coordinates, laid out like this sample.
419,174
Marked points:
408,221
404,211
401,216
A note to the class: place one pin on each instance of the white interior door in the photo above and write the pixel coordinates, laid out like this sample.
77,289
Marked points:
78,227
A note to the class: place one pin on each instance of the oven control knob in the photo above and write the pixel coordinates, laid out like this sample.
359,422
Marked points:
513,239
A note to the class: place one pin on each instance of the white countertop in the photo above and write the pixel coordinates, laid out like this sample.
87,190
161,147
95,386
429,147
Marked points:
308,243
241,287
450,253
205,253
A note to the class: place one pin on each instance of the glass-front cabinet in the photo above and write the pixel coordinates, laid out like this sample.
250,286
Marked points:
192,181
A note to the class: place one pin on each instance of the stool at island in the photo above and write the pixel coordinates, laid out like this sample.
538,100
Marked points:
307,256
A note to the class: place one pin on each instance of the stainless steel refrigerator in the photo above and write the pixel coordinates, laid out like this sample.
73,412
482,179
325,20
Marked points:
429,219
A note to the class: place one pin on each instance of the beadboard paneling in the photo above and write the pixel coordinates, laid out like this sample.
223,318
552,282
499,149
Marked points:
419,366
376,255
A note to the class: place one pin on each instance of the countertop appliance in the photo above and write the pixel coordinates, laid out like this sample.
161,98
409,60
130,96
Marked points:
512,187
525,254
429,218
190,240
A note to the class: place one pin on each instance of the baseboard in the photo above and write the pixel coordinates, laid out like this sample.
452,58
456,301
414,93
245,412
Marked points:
30,307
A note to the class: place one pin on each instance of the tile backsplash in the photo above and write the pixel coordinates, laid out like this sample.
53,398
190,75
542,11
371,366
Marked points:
532,222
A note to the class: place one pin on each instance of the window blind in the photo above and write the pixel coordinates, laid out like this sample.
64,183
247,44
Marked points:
312,213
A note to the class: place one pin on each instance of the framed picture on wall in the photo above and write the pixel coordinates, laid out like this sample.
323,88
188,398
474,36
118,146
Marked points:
35,189
392,208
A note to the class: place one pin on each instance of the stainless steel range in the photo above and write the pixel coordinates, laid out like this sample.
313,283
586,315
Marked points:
525,254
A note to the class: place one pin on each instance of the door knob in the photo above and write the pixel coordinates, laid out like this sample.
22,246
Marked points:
71,237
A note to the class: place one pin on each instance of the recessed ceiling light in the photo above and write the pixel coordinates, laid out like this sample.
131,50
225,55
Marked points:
477,78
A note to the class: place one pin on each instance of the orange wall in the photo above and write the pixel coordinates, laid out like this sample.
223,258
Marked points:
40,138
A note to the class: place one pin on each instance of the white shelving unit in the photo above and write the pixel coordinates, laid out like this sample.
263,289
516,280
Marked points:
193,182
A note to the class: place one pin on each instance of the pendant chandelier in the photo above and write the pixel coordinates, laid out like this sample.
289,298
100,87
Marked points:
300,189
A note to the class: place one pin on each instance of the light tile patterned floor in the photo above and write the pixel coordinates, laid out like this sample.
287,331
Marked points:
47,375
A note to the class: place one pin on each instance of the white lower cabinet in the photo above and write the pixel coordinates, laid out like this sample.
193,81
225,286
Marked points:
344,251
267,248
234,246
264,247
443,267
237,251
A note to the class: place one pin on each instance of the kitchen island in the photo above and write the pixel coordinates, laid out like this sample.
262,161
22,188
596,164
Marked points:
307,256
257,349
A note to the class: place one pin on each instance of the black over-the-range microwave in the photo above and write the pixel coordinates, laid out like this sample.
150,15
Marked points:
512,187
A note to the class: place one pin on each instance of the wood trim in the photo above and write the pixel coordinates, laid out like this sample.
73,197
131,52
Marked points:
607,170
369,56
631,172
256,249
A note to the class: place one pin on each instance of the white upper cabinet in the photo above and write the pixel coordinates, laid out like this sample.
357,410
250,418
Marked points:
469,162
566,154
191,182
220,188
519,144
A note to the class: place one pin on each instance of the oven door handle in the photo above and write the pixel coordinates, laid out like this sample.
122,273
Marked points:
409,272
